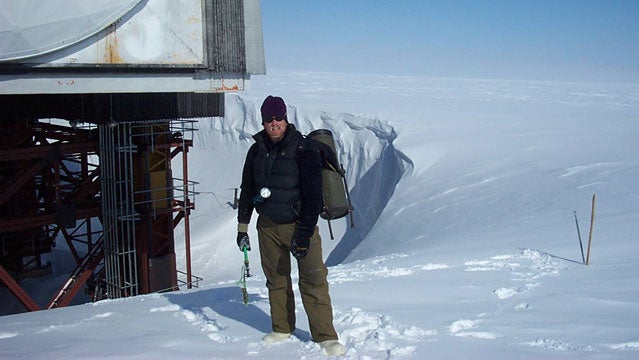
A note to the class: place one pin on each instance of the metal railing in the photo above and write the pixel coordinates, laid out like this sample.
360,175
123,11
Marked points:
122,197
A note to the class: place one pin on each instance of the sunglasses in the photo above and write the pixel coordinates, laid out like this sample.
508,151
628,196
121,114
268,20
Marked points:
268,121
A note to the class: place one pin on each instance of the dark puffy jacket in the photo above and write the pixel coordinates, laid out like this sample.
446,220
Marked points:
293,174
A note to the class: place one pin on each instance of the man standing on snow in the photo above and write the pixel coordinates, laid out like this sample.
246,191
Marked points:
282,181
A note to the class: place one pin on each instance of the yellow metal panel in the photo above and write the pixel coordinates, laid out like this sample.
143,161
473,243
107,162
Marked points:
159,189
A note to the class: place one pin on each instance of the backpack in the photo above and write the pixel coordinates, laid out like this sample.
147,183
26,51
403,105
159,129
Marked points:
336,200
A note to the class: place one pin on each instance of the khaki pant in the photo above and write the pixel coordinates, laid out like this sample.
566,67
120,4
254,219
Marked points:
275,242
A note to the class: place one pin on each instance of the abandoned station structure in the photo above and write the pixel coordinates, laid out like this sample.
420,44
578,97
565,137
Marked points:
97,98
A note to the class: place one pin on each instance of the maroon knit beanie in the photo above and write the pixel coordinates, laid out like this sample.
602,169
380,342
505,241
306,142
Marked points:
273,107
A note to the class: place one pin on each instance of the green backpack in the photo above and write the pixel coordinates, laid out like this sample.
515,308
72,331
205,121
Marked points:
336,200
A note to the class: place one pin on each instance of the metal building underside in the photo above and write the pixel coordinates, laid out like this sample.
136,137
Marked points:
91,127
108,191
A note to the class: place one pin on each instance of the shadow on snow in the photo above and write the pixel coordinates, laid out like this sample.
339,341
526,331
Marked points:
369,197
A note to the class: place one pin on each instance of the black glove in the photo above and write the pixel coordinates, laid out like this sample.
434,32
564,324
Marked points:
243,241
299,247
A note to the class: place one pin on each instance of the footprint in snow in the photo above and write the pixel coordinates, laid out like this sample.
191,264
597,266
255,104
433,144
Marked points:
353,272
466,328
624,346
505,293
199,319
377,333
527,266
7,335
553,344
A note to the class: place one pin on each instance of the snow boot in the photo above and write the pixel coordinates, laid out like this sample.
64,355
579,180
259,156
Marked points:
333,348
275,337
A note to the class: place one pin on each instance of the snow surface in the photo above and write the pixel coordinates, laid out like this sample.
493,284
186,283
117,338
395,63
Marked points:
464,246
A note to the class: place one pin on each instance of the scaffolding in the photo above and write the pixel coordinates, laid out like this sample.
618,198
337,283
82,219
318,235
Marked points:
138,203
108,191
49,186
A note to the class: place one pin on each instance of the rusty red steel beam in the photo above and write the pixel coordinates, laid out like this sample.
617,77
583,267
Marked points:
69,242
179,148
79,277
89,185
29,222
15,184
178,218
43,151
17,290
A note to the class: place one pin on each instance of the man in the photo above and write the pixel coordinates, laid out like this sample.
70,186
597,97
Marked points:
282,181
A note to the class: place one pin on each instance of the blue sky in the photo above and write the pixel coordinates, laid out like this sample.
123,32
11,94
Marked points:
530,39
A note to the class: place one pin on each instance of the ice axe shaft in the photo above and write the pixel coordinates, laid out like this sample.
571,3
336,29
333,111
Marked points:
246,262
243,275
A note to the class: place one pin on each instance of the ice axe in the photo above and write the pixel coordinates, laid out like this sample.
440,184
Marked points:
245,273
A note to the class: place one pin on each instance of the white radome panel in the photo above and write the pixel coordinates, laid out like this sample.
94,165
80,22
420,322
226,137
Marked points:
59,32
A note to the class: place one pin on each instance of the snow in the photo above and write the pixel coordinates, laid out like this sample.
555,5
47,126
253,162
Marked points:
464,245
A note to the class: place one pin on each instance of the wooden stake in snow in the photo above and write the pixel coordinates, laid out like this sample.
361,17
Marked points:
592,222
581,246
